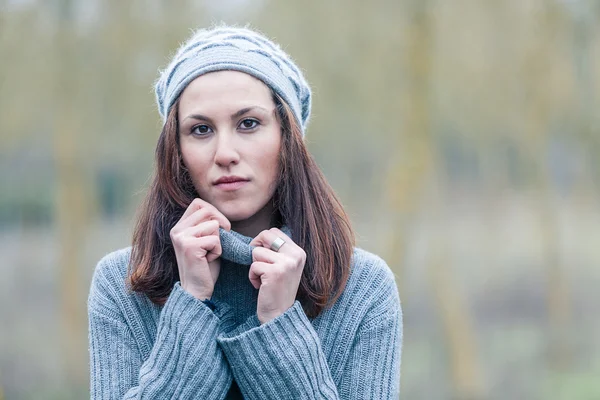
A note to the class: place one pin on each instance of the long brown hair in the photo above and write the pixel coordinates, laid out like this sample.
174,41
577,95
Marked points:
305,201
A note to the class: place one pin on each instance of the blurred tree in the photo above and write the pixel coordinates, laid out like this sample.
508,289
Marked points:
410,171
583,29
422,167
543,100
465,369
70,189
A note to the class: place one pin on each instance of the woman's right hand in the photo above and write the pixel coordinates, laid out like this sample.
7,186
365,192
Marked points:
197,246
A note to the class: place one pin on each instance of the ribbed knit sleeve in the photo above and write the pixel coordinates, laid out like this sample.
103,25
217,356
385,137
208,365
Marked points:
373,367
184,362
283,358
373,370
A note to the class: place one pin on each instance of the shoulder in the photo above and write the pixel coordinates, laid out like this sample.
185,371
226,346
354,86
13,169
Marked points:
373,283
112,267
366,266
370,273
109,279
371,290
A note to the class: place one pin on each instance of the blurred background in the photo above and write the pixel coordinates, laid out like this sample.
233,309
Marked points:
462,137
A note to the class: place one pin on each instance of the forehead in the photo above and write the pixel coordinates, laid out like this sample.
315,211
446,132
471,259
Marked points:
224,91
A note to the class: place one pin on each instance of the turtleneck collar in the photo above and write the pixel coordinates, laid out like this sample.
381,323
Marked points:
236,247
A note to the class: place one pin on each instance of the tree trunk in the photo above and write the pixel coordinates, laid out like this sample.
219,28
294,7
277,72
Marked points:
70,201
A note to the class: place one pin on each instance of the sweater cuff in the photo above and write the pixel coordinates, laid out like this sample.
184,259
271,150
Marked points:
184,306
185,360
284,352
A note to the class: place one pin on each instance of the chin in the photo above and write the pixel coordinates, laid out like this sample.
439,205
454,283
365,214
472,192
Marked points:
235,213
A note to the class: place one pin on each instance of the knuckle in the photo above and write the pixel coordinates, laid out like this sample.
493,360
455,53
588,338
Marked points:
258,251
253,271
302,255
207,240
203,214
176,238
212,209
291,263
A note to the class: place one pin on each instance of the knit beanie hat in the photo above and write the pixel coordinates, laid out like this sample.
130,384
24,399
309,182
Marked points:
237,49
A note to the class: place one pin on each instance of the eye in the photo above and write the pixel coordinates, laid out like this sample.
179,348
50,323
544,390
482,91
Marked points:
201,130
249,124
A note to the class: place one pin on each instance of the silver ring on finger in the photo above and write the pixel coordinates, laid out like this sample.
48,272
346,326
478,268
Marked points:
277,243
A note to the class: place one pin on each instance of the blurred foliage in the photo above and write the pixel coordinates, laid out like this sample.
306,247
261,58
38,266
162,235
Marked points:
462,136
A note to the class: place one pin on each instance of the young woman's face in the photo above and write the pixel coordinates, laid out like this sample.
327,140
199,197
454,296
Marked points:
230,139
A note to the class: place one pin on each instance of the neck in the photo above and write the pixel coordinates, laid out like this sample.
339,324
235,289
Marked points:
264,219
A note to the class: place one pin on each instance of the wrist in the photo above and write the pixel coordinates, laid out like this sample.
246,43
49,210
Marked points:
200,294
208,303
204,296
264,318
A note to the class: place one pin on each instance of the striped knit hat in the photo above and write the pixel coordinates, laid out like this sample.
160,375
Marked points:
238,49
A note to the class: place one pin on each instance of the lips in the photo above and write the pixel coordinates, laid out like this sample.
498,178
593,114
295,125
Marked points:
229,183
230,179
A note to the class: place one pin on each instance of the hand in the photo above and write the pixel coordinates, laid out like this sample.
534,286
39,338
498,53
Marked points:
197,246
276,274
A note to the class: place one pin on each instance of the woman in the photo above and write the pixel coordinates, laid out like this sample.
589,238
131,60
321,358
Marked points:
242,279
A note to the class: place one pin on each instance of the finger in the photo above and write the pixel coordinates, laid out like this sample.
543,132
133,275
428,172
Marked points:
199,204
195,205
210,246
281,234
204,212
213,244
205,228
265,239
200,217
223,221
289,247
257,270
265,255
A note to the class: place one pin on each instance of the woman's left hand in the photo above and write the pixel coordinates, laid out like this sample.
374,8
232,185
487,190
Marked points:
275,273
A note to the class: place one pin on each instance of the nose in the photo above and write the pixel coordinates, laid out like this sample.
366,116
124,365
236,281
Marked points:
226,153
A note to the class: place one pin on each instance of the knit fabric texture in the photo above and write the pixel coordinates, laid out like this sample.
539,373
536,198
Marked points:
185,350
237,49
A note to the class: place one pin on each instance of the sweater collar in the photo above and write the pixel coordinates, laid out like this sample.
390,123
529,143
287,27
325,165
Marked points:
236,247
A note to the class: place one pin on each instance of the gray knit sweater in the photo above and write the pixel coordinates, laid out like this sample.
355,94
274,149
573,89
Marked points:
184,350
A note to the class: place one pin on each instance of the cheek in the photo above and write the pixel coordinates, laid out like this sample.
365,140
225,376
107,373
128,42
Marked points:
269,162
195,164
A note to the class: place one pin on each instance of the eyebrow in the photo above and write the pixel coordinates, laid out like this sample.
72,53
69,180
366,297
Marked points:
234,116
